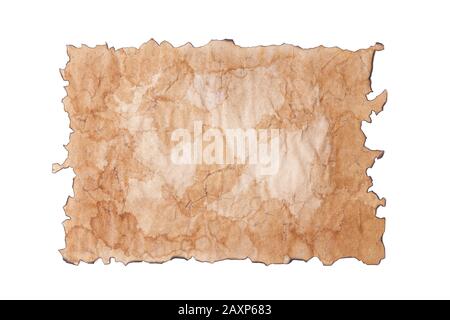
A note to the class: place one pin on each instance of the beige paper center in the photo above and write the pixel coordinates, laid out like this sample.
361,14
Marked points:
272,163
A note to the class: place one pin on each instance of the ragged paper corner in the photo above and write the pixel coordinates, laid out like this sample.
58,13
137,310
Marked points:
220,152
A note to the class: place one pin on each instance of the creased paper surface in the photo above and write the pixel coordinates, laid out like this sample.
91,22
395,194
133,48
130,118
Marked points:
304,193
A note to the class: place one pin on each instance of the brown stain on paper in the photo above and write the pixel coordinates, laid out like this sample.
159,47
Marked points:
132,203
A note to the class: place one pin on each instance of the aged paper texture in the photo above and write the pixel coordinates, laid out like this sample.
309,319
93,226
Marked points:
220,152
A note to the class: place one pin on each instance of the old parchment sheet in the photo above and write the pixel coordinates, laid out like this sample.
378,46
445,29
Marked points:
133,110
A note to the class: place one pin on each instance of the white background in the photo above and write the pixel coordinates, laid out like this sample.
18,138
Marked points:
413,130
